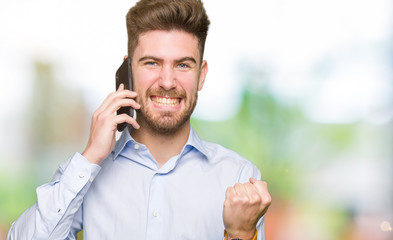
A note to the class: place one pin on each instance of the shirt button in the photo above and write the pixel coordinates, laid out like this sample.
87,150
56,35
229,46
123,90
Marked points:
136,146
81,175
155,214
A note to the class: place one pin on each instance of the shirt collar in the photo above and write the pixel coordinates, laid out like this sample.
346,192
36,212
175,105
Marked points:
122,142
197,143
193,141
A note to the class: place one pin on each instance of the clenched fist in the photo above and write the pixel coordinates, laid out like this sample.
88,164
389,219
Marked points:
244,205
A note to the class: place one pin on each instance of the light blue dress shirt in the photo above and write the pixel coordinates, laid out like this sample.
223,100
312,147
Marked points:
130,197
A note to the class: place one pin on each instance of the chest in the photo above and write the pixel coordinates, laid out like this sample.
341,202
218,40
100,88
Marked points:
127,199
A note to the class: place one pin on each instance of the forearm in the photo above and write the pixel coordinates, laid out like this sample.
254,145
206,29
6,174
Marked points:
52,216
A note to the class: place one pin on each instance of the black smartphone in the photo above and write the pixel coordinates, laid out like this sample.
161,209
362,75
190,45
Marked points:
124,75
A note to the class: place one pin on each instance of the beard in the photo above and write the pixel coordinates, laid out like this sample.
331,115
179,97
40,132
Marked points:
166,122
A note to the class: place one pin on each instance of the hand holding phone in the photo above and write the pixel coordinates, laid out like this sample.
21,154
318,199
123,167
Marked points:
102,136
124,75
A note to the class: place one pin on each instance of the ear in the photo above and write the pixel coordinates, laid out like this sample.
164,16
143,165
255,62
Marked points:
202,75
125,57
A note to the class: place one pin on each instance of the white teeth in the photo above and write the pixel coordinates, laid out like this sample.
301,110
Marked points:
166,101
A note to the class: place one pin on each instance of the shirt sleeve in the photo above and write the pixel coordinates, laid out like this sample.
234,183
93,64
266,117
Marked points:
250,170
56,214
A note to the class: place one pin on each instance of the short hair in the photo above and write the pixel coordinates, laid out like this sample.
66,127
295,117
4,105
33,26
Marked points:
184,15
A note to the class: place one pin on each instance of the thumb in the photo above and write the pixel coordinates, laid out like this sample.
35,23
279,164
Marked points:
252,180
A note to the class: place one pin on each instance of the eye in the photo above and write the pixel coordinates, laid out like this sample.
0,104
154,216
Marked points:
151,63
183,66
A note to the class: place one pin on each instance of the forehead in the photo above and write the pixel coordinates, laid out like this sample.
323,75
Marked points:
171,44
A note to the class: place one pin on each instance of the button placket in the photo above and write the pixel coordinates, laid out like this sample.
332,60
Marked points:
155,211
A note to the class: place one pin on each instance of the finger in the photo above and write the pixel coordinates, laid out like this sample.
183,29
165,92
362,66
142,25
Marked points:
260,185
125,93
229,192
240,189
255,197
121,87
253,181
108,100
244,193
262,188
121,93
122,118
126,102
249,188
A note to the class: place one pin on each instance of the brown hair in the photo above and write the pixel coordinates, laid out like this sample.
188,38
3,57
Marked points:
185,15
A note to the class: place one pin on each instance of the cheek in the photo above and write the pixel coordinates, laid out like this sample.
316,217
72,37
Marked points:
143,80
188,81
190,88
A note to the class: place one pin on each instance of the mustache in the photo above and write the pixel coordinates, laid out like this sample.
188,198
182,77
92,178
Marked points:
173,93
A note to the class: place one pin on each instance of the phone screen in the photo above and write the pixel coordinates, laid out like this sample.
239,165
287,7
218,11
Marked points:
124,75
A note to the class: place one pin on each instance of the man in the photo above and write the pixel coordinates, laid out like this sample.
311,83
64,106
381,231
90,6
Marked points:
159,180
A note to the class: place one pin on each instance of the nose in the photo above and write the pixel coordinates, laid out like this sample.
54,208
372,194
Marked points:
167,78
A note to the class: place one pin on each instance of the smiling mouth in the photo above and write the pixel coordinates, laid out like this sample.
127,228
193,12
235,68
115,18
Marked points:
165,101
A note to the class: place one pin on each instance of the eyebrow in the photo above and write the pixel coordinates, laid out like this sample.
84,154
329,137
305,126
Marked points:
149,58
183,59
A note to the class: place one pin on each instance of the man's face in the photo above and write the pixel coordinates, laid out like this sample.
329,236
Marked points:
167,75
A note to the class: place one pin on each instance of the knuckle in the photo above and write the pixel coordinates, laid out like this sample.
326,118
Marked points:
103,119
112,94
121,102
245,199
236,200
241,200
255,199
267,199
97,116
248,185
226,203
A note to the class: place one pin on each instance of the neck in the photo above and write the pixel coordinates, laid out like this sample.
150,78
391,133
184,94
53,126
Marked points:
162,146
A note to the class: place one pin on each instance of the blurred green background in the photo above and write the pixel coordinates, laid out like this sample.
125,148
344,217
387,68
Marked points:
303,90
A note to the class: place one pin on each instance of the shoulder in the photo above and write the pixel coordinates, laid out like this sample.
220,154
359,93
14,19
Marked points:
230,160
219,152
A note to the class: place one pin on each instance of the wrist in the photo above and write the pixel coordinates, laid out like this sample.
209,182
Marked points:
241,235
91,158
